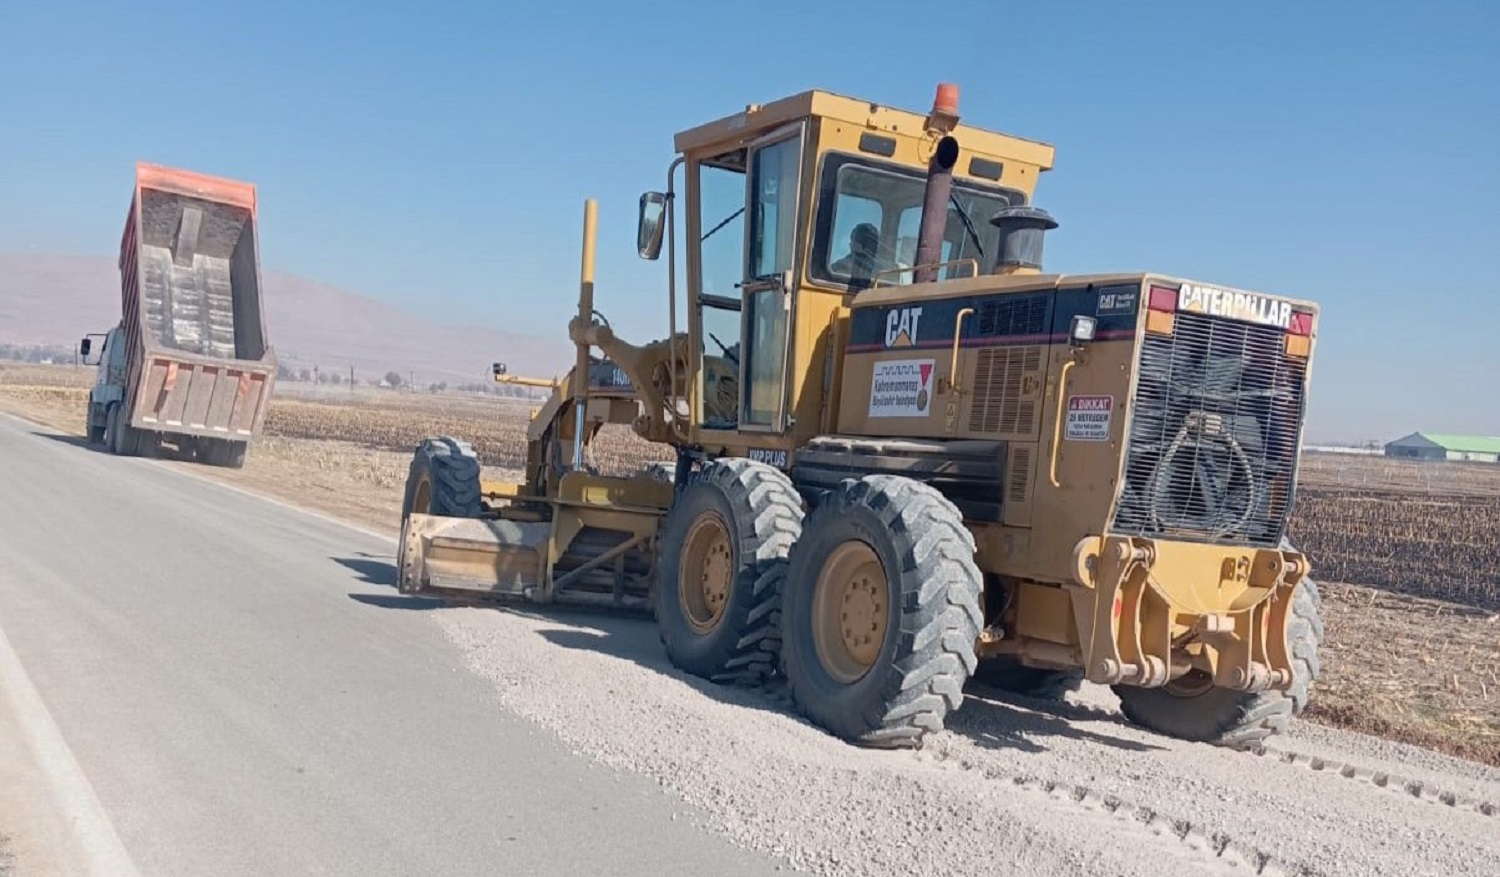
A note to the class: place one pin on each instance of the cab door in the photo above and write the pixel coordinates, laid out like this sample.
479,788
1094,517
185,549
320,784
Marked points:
773,199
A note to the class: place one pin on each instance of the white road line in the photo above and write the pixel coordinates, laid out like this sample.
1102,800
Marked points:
264,497
225,485
95,835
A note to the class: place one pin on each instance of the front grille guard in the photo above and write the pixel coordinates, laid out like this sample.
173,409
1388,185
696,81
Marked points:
1214,428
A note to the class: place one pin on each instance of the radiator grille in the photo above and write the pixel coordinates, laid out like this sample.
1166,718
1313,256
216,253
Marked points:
1005,400
1018,474
1215,427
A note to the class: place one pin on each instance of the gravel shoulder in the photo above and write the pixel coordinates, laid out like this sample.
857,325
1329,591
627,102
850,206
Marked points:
1056,789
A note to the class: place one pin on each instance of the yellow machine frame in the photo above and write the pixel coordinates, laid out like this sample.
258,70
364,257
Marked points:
1059,578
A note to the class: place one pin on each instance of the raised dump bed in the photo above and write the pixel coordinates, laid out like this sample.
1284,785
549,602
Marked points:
189,363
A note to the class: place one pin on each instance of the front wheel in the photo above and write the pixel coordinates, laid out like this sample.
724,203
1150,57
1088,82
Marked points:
443,479
881,612
1193,708
120,437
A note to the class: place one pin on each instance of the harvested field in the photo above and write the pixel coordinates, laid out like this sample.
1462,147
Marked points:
1398,664
1423,529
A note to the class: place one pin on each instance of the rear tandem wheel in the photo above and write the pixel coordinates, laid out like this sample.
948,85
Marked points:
725,545
882,612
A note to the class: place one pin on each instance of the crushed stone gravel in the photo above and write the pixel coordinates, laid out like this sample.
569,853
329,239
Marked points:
1012,786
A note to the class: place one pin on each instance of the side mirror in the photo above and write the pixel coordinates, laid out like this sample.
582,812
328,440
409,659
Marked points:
652,225
85,346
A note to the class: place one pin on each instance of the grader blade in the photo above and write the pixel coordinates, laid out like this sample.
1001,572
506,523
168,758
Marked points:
503,558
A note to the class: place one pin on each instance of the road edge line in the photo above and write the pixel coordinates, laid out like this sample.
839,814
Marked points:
277,501
72,793
235,488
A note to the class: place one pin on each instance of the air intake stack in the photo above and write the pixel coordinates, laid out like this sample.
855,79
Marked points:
1021,231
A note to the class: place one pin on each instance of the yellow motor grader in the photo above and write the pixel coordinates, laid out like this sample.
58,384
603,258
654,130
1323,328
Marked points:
905,456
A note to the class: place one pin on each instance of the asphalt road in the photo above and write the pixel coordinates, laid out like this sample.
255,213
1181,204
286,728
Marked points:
239,690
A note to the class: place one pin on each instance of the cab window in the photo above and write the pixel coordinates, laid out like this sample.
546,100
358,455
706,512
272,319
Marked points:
868,216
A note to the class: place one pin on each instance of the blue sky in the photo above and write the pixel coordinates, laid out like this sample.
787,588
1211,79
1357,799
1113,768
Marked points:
438,155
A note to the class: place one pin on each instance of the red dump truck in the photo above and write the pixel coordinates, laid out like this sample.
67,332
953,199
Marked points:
189,363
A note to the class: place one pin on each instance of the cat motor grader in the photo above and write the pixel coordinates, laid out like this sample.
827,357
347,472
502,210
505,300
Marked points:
905,456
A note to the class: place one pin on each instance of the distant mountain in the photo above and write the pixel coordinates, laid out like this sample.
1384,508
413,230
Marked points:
57,299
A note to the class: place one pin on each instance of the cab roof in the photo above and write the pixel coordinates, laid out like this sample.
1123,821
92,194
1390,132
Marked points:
757,119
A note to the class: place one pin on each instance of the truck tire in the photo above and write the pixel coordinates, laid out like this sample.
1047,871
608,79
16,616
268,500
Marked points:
122,438
894,554
725,545
98,424
1006,674
1203,713
224,453
443,479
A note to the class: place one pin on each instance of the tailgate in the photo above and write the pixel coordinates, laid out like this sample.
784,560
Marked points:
226,398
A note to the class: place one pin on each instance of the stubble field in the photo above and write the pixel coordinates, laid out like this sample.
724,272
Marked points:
1406,553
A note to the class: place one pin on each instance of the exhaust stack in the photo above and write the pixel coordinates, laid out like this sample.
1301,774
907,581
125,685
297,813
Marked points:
1021,231
940,121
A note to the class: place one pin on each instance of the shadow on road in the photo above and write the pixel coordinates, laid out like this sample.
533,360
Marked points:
989,717
998,720
76,441
377,569
372,569
395,601
163,452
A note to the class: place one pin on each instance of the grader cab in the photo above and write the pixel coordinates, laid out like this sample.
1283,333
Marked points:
905,456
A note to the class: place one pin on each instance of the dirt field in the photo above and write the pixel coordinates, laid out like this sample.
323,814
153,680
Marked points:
1405,552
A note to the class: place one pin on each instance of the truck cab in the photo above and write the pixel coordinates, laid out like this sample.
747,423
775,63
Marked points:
108,391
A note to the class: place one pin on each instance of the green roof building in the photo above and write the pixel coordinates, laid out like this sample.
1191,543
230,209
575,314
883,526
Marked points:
1433,446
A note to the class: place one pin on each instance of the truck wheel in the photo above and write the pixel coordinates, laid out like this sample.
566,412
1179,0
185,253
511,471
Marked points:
1192,708
121,437
443,480
725,542
882,612
97,429
1006,674
224,453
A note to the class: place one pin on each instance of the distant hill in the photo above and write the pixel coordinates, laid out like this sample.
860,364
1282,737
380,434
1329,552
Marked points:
57,299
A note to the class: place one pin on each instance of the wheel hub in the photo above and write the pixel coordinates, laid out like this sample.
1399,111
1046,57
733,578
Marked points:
851,611
707,572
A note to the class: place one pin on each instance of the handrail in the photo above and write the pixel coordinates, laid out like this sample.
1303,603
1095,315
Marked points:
958,326
1062,384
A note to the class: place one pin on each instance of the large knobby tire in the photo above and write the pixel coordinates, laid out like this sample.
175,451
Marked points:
881,612
443,479
724,553
1191,709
